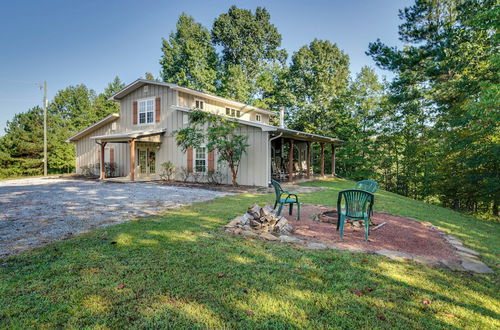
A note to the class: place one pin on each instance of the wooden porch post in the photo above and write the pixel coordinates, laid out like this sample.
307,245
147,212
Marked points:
102,160
132,160
308,160
322,144
333,159
290,161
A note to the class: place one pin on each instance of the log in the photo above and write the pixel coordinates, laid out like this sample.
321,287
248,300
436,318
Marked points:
379,226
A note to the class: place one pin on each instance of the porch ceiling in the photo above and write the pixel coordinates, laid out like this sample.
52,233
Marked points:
139,136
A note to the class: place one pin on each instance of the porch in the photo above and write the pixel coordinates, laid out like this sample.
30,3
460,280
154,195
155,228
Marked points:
291,155
143,147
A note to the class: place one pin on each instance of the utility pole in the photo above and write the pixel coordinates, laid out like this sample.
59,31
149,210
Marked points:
45,128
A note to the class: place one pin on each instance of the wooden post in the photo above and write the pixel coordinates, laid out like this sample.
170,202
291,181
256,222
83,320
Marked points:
132,160
322,159
290,161
333,160
102,160
308,160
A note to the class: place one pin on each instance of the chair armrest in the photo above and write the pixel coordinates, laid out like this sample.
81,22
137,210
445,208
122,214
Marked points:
295,195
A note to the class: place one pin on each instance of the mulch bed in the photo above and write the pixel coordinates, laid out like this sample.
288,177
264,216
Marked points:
399,234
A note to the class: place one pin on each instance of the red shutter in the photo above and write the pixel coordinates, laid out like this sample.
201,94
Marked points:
134,114
190,159
157,110
111,155
211,159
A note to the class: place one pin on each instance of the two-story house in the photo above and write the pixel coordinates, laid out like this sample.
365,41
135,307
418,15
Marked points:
141,137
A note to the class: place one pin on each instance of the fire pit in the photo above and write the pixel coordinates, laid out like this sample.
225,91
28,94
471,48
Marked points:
330,216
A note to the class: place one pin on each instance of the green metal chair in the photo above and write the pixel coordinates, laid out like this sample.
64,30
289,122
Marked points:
367,185
289,199
358,205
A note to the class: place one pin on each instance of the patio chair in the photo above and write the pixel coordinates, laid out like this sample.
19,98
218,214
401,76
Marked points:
289,199
358,206
367,185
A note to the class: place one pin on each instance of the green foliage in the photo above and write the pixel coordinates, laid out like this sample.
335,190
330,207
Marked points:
445,102
318,78
219,134
189,58
72,109
167,171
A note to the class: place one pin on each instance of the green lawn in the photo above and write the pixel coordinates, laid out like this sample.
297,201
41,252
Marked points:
182,270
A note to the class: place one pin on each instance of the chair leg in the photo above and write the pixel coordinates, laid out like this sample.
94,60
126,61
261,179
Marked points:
279,210
341,226
275,204
291,209
298,211
367,228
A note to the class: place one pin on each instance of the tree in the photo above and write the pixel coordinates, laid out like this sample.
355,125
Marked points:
445,89
250,45
221,136
103,106
21,148
319,79
189,58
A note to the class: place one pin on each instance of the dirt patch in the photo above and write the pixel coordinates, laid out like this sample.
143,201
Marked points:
398,234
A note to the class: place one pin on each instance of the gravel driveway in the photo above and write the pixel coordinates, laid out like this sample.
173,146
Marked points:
36,211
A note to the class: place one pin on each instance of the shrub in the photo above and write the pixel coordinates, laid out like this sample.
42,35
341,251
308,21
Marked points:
167,171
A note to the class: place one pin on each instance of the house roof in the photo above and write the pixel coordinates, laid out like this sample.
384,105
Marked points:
128,136
106,120
286,132
141,82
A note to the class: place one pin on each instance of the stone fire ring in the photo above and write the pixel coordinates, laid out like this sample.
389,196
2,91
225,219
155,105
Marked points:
312,232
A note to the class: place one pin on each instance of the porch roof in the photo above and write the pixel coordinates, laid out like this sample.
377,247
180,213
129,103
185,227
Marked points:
128,136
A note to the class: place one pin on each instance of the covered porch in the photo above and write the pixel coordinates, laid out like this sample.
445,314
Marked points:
291,155
143,146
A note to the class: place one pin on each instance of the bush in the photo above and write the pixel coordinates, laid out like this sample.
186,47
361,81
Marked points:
167,171
185,174
215,177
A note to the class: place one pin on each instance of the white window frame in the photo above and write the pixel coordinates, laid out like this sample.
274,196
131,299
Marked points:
145,112
195,158
258,117
201,102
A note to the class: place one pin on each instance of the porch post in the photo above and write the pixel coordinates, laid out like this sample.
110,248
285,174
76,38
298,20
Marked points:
290,161
333,160
308,160
322,144
132,160
102,160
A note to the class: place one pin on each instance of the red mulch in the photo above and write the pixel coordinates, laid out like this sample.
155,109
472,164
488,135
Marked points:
400,234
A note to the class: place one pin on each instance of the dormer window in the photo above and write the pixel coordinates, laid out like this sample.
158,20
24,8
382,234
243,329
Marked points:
146,111
233,112
199,104
258,117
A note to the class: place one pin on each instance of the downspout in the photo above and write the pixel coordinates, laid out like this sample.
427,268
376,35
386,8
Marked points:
269,156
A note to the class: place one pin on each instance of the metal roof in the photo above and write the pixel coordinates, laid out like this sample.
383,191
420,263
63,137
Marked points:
106,120
128,136
141,82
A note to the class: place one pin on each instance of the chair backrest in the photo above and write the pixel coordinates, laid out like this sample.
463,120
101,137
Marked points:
366,185
277,189
357,203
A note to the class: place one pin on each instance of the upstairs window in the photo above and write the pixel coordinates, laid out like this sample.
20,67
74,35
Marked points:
146,111
233,112
258,117
199,104
200,160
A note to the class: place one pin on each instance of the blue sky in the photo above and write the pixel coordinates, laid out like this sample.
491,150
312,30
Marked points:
90,41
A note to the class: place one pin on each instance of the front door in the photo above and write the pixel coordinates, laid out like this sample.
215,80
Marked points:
147,161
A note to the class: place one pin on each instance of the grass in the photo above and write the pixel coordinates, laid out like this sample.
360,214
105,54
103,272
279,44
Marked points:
181,270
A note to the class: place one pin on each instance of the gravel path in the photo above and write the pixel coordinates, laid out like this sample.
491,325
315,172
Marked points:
36,211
